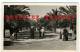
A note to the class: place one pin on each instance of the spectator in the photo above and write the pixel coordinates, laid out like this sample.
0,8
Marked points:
39,32
32,32
42,31
65,35
60,35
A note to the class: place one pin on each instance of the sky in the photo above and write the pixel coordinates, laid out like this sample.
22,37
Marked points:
41,10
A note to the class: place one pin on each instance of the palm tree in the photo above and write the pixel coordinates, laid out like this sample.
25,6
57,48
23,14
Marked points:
53,22
69,10
43,22
14,10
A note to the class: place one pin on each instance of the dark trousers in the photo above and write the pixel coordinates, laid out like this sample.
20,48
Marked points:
39,34
60,36
32,35
65,38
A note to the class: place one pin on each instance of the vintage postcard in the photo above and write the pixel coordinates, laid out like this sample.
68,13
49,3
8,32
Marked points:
40,26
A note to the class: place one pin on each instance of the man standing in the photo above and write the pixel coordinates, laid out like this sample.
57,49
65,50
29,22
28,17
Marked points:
65,35
42,31
32,32
39,32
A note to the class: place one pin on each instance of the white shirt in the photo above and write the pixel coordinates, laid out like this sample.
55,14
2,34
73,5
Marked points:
42,30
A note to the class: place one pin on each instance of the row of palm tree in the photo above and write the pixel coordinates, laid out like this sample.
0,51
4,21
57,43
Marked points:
68,10
16,10
24,10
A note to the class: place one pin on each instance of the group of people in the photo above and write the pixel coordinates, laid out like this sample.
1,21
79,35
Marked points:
41,32
65,35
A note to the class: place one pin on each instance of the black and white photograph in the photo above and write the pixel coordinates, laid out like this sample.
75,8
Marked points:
39,27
